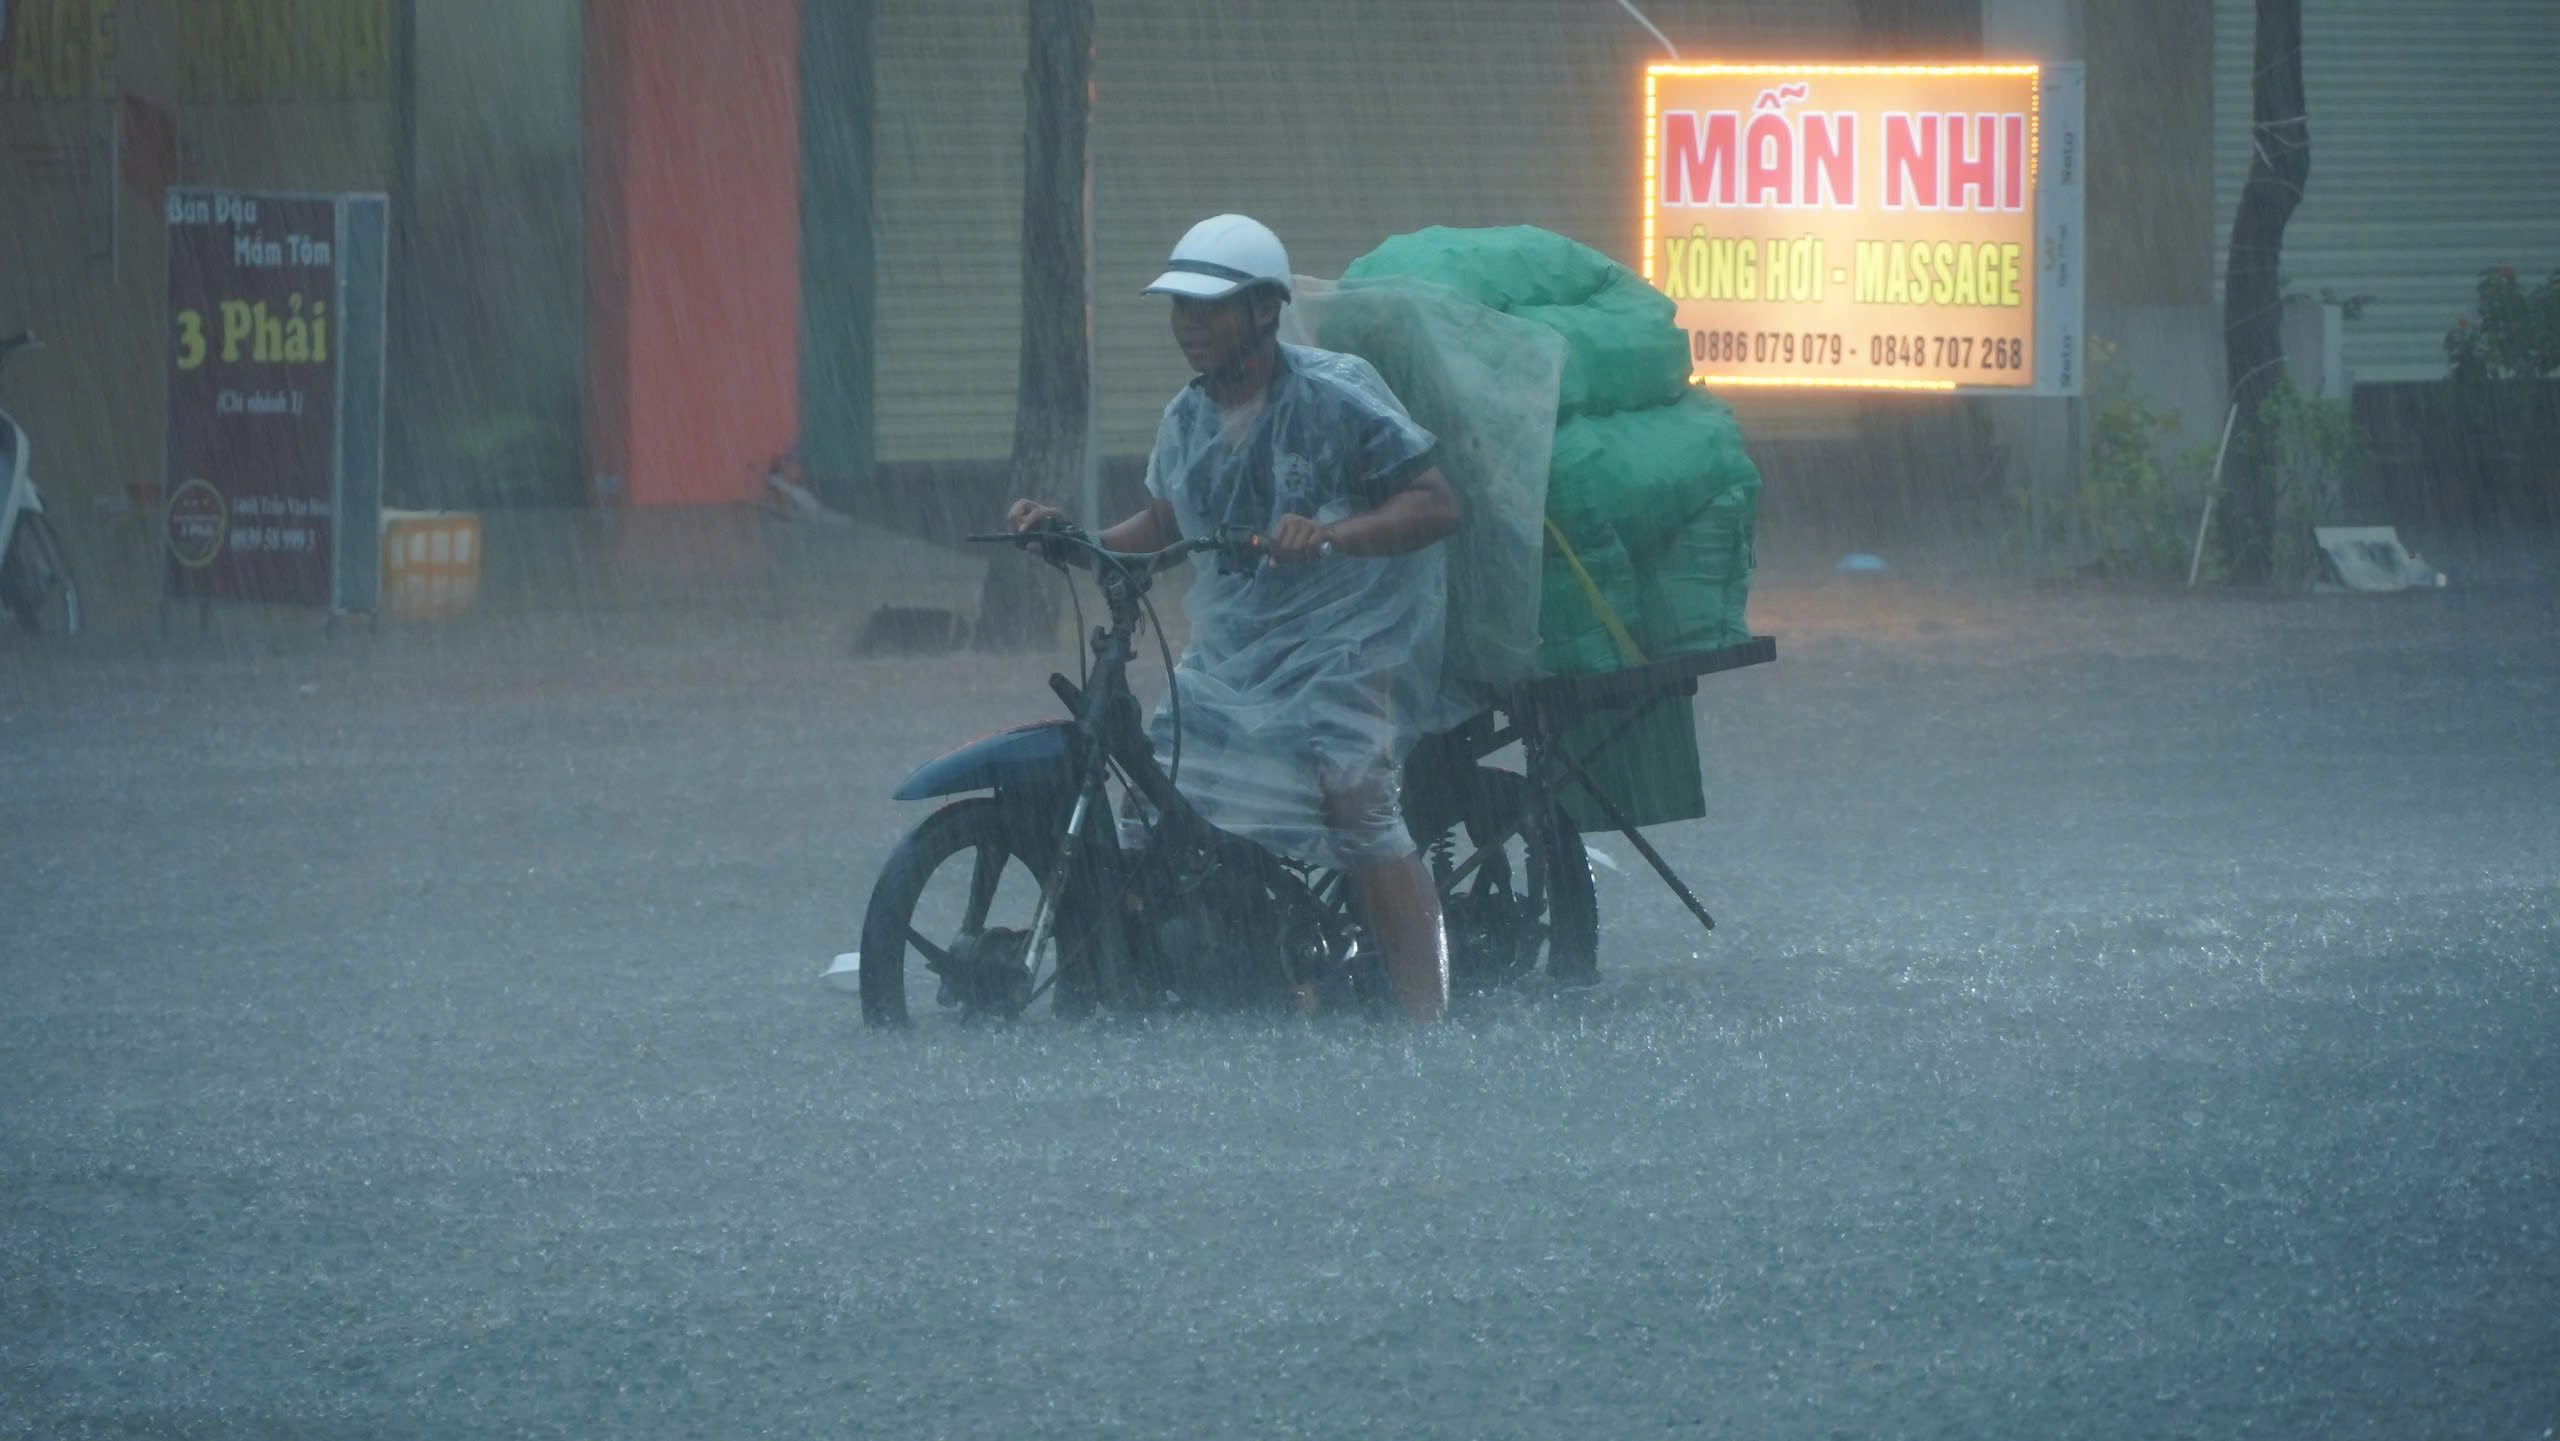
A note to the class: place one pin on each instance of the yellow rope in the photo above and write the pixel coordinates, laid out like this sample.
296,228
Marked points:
1627,650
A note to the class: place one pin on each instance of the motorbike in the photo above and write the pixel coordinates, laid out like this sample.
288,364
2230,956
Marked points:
36,585
1072,868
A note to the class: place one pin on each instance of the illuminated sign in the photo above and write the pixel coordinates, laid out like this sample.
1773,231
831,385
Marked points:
1894,227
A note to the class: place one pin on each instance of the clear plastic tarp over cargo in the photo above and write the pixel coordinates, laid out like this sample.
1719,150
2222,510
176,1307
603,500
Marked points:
1486,384
1650,498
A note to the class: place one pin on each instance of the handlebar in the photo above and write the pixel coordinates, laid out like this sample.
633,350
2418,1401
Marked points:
1241,547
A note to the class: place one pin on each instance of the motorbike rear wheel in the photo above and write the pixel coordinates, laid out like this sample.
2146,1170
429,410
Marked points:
35,579
962,929
1529,904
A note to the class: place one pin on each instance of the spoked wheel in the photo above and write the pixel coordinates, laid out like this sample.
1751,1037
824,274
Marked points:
950,920
1529,903
35,579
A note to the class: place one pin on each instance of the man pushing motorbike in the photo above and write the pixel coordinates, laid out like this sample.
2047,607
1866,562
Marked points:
1306,680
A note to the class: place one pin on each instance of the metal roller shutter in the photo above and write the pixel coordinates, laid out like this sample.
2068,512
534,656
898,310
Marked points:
2432,159
948,152
1337,122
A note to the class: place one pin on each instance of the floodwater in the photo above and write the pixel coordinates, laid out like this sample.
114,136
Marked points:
2133,1015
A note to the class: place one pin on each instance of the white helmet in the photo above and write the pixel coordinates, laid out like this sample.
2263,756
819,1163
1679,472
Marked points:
1222,255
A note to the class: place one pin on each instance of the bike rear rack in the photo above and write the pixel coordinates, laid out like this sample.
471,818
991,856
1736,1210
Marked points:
1540,711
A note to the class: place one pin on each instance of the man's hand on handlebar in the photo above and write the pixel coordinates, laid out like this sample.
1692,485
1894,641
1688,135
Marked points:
1029,516
1150,535
1296,540
1145,533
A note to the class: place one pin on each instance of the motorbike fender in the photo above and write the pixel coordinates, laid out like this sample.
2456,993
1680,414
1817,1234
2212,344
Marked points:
1030,755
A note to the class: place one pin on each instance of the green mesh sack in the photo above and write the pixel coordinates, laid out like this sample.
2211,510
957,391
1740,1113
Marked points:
1639,455
1691,590
1645,762
1650,771
1579,501
1506,267
1645,472
1574,638
1622,351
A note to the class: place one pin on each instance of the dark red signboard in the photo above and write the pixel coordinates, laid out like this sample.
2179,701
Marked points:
254,367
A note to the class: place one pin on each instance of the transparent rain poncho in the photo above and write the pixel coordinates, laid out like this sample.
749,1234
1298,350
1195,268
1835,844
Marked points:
1304,687
1301,681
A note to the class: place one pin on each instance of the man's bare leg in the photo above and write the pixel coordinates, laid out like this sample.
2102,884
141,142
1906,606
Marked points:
1396,897
1397,900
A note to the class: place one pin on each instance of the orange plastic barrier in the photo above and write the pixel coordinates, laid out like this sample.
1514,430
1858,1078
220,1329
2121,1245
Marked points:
430,562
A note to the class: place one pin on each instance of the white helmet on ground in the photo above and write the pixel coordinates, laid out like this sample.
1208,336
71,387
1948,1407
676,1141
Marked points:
1222,255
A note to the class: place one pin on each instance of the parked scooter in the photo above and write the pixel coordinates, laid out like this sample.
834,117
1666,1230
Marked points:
35,572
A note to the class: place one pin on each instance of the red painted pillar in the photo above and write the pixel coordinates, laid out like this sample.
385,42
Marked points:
693,247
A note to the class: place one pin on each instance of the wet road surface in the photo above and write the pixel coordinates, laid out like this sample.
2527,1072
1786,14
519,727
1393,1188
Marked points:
2132,1016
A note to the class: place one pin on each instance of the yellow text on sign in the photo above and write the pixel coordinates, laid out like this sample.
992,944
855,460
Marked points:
296,335
1721,267
1921,272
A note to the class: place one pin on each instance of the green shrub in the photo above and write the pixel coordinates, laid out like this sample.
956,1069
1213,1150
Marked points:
2500,364
2517,334
2136,512
2318,461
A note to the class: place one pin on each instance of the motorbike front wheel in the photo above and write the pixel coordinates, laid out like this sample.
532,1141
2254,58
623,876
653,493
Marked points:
35,579
951,916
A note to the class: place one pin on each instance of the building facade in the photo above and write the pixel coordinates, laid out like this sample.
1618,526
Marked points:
643,246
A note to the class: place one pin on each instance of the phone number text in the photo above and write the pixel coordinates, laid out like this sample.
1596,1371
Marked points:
1948,352
1767,347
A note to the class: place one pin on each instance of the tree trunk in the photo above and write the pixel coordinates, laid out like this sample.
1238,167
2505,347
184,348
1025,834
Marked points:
2252,296
1018,609
839,259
